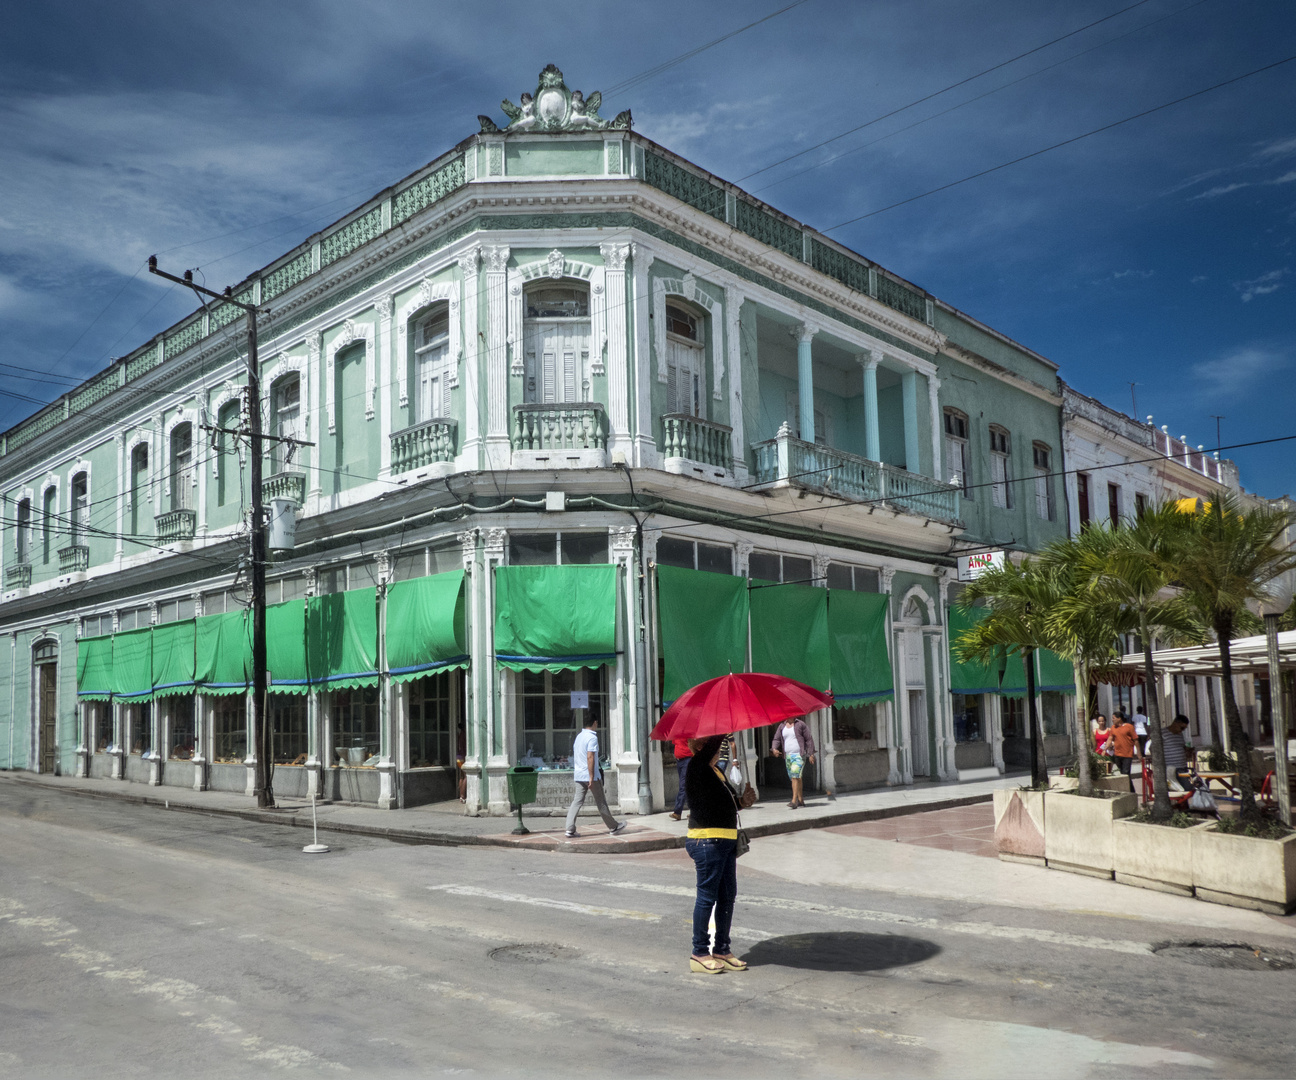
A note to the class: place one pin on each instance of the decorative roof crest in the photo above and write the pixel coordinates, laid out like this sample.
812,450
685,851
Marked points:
554,108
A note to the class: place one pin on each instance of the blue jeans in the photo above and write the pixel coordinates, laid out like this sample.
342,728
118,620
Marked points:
717,887
681,797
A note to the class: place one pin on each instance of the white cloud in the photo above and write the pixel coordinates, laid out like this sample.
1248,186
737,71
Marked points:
1223,189
1261,286
1286,178
1239,372
1277,148
1197,279
1141,275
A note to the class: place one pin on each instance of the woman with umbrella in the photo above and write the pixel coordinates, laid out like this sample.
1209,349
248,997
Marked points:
706,714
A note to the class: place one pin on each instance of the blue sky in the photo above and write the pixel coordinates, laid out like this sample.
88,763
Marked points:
1160,252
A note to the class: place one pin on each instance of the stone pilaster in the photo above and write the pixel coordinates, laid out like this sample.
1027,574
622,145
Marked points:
498,449
473,435
614,259
384,306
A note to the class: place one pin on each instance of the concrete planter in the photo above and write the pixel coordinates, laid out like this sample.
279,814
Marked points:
1245,872
1019,825
1078,832
1154,856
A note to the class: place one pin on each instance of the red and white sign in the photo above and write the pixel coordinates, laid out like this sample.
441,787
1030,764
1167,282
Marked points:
972,567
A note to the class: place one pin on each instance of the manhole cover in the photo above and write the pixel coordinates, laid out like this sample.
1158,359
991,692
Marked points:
1221,954
531,954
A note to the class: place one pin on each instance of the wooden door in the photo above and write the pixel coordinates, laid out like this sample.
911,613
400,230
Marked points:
47,714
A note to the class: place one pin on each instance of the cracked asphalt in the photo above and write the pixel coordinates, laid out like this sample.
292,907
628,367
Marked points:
140,942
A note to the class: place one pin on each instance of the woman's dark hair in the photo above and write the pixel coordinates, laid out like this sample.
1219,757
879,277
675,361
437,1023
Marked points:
706,748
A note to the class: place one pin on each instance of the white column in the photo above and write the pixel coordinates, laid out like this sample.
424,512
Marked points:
383,347
872,434
387,722
933,399
477,679
646,447
473,414
498,449
733,364
804,335
623,743
198,441
909,392
315,407
123,492
496,748
614,259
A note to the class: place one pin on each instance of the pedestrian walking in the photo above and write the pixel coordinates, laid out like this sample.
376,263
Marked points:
1124,744
587,774
792,742
712,845
1102,734
682,756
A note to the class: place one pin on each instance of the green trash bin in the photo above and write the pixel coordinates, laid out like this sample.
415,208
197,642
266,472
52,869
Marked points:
522,781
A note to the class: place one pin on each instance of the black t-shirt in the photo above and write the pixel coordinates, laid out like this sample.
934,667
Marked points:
712,803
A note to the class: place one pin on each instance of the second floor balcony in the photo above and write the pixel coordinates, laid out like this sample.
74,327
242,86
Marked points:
703,444
564,434
429,443
176,525
18,576
788,460
74,558
285,485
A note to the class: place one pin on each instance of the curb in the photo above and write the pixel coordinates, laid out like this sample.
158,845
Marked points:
660,842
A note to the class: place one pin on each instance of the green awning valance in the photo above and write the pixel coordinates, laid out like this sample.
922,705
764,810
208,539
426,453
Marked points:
555,618
425,626
223,653
1053,672
789,633
286,647
857,647
342,640
1013,684
703,620
971,677
173,658
94,668
132,660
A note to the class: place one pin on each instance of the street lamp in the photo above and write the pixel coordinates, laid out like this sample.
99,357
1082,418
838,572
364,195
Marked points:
1277,599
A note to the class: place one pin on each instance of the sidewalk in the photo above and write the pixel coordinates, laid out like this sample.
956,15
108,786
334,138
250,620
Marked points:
447,824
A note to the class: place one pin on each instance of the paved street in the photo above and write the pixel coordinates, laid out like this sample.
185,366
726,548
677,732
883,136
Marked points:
141,942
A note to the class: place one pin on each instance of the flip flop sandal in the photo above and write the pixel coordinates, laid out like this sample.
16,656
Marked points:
731,962
709,966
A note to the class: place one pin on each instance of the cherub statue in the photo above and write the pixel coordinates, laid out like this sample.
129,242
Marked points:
523,117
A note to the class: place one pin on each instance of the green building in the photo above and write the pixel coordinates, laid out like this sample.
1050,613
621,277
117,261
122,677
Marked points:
559,413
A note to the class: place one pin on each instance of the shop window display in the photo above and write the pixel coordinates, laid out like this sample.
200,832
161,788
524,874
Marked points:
548,721
968,725
288,715
355,726
229,730
101,723
180,726
1014,718
431,721
140,719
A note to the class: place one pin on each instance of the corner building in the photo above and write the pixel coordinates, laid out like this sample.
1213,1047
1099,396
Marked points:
574,416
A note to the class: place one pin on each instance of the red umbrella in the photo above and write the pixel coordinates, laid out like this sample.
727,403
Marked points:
736,702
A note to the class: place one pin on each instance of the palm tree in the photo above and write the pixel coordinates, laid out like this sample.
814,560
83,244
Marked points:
1133,571
1223,563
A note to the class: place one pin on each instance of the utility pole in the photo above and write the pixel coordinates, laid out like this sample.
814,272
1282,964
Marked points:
257,717
1218,441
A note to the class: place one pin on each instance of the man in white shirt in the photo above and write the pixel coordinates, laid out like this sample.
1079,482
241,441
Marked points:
588,777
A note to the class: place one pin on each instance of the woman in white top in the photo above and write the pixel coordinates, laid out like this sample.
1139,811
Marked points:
792,742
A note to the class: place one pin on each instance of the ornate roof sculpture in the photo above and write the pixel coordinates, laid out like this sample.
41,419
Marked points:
554,108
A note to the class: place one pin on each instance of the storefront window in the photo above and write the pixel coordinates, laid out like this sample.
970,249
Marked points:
855,724
140,719
229,730
288,715
549,723
1053,712
1014,718
431,723
553,549
967,718
180,726
355,725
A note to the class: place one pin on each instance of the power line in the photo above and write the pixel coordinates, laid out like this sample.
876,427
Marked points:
943,90
1064,142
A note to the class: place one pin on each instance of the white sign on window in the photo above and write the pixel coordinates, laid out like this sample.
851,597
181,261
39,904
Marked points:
580,699
971,567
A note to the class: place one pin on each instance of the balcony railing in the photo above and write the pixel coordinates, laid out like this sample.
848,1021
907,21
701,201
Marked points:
573,425
18,576
285,485
176,525
423,444
74,558
691,437
849,476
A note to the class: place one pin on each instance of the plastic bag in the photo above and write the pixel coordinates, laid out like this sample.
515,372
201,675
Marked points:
736,777
1202,800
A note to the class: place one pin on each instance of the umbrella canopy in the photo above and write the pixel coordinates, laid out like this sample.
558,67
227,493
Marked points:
736,702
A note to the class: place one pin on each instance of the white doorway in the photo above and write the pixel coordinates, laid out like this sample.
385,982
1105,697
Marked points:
918,732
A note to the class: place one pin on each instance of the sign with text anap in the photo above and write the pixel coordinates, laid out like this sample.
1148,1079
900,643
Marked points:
972,567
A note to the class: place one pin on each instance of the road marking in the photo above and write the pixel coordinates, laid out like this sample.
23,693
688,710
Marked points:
546,902
977,929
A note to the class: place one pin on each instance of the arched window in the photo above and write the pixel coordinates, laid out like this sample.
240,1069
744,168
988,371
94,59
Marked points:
685,362
431,373
285,403
1000,470
80,507
557,337
1043,460
50,512
139,464
182,475
956,450
24,532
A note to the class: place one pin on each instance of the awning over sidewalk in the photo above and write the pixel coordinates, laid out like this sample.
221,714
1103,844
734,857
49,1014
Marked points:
223,653
425,626
132,658
94,668
1248,655
971,677
286,647
857,648
555,618
342,640
789,633
173,658
703,621
1053,673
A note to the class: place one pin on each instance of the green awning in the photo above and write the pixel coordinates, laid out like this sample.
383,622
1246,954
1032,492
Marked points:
224,653
425,626
1014,675
555,618
857,647
173,658
95,668
971,677
789,633
703,621
286,647
342,639
1053,672
132,660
